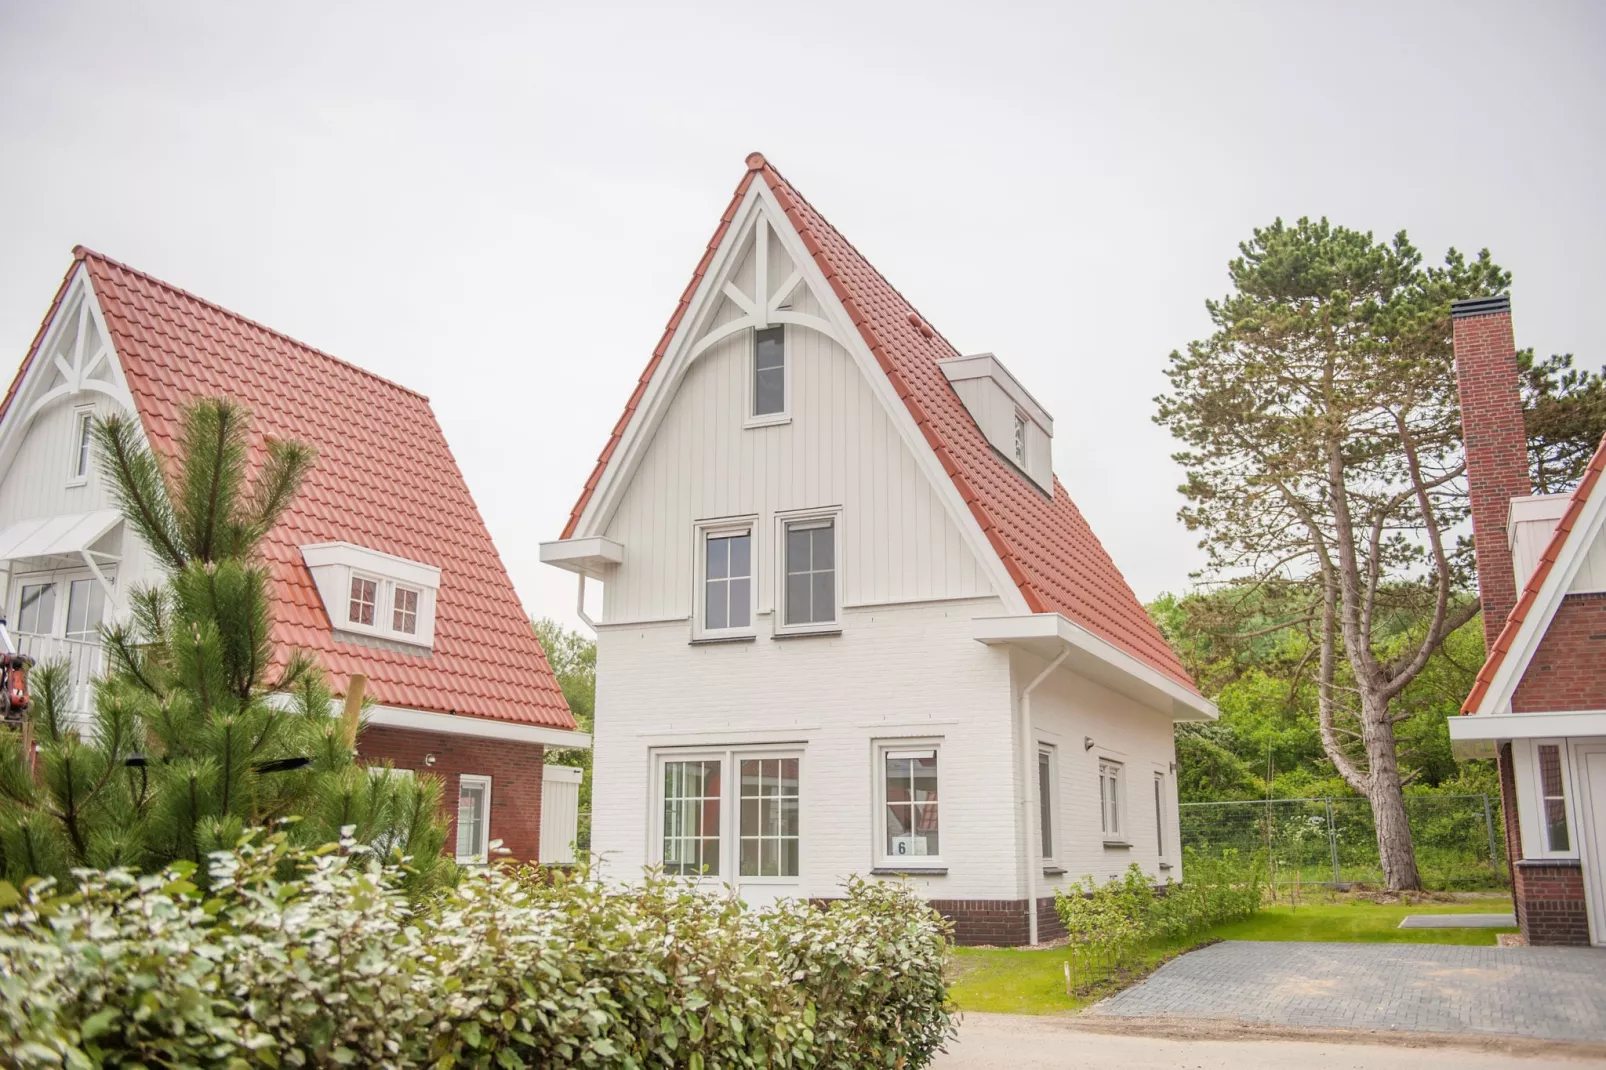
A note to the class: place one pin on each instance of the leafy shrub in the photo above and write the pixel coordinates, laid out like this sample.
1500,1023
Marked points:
1110,925
294,957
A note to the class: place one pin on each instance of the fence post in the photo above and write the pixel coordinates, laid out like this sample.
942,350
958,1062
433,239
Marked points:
1332,841
1488,821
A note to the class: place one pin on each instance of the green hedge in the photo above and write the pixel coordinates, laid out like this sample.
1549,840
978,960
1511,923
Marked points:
313,958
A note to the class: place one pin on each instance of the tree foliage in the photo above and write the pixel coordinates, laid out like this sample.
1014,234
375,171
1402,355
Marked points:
1564,413
198,731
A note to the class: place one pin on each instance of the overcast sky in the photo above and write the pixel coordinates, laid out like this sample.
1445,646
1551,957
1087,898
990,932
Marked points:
499,205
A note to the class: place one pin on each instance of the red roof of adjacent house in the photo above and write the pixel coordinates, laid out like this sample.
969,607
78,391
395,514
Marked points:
384,478
1048,548
1530,591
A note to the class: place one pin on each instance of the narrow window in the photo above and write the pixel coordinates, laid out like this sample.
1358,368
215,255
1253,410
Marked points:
473,818
769,817
37,613
86,606
1045,799
728,581
911,803
81,443
1110,798
1020,440
811,572
1553,795
691,818
404,614
1159,813
364,597
769,371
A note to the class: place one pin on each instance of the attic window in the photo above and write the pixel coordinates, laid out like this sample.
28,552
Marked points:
769,371
404,617
1020,439
364,597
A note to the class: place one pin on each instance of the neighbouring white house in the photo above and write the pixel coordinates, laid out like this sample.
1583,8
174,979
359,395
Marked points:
381,565
851,623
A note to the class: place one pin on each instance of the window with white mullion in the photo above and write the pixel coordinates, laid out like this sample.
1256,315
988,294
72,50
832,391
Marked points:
473,818
728,580
86,607
769,371
36,609
364,601
769,817
810,591
1550,765
910,804
1110,803
691,833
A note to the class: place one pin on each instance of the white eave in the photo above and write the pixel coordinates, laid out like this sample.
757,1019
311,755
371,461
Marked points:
591,556
478,727
1047,635
1528,725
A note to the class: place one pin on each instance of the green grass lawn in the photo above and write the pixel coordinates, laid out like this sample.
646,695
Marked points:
1009,981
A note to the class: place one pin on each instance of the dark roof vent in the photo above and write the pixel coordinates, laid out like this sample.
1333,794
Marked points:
1480,306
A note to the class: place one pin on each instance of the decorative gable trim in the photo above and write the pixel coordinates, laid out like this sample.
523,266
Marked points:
1542,595
759,206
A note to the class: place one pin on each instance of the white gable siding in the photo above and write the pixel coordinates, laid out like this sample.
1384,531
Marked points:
839,449
1530,527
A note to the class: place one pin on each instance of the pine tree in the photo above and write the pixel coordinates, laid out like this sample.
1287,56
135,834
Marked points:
197,733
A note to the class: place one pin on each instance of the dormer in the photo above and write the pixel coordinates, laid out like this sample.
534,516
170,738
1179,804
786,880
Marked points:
1015,424
375,595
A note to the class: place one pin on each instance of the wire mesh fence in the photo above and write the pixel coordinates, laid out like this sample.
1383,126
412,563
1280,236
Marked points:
1332,841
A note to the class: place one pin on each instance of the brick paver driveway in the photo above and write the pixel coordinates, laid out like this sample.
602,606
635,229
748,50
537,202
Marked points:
1554,993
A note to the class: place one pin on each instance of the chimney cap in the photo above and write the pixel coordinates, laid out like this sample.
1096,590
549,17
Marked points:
1481,306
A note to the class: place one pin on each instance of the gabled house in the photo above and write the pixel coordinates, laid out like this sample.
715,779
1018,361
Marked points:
851,622
382,566
1539,702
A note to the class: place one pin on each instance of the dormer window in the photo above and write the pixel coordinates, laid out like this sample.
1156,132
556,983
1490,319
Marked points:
1014,423
769,372
364,597
1020,439
404,615
368,593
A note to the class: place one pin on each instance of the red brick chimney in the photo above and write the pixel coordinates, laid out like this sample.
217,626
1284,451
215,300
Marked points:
1497,447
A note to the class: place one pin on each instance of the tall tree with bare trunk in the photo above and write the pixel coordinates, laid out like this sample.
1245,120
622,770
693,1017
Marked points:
1324,462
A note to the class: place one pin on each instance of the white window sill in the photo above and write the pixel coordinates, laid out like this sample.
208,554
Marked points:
1052,870
1549,860
1165,867
772,881
78,481
1118,844
771,420
901,869
808,633
713,640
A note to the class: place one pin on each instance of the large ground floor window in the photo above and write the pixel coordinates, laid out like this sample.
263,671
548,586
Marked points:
717,825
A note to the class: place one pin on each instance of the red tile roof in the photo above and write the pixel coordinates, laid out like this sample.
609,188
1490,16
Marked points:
1045,544
384,478
1530,591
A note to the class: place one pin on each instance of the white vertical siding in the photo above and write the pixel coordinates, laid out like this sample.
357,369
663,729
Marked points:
560,812
840,449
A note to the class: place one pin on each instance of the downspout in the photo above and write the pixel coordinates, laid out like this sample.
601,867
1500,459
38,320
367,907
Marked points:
1028,772
580,602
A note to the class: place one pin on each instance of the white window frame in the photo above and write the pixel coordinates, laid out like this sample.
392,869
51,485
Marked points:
483,855
1048,803
723,528
1161,798
749,418
1541,847
396,591
1116,771
730,809
82,446
1020,443
63,579
92,585
379,600
58,604
881,750
783,521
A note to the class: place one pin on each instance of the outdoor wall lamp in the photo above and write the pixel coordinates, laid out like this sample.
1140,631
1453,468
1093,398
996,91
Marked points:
429,759
1087,743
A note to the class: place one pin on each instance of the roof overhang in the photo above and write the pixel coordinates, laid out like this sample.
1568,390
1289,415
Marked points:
590,556
1047,635
66,534
1497,726
477,727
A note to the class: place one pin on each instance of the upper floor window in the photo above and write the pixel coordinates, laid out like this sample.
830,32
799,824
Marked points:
727,579
810,591
1110,798
1020,440
404,614
364,600
769,371
86,607
82,437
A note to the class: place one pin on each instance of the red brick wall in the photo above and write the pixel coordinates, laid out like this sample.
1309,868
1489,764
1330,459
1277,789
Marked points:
515,770
1496,444
1552,897
1568,671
